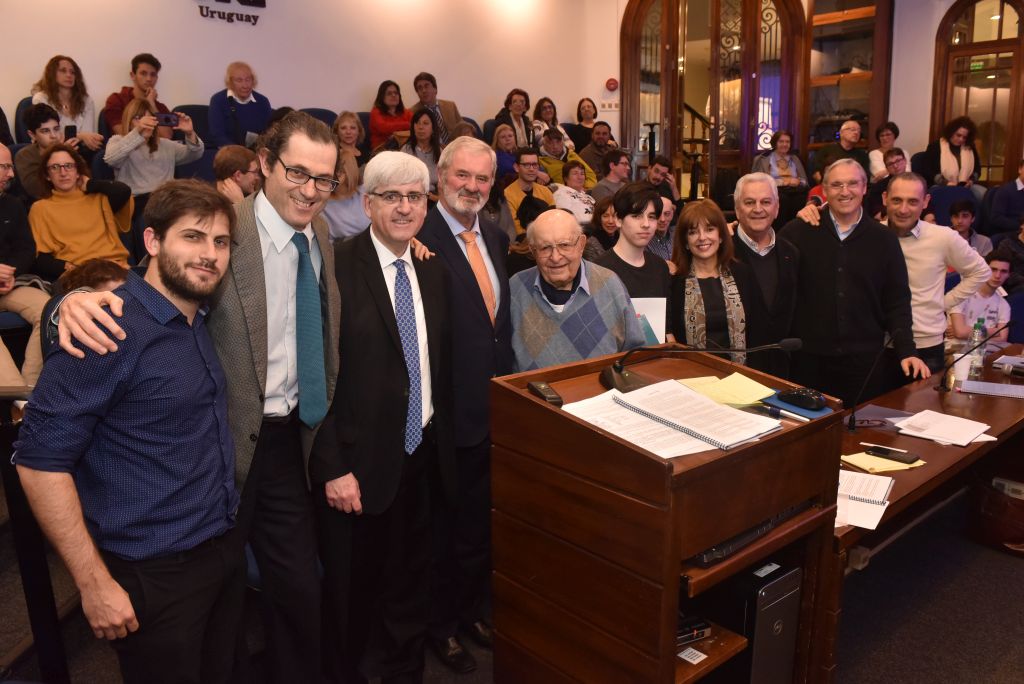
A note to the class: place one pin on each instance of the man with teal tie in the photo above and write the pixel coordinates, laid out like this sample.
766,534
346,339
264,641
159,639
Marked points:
274,323
394,428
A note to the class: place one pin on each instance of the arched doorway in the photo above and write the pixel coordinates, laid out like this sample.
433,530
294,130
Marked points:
718,77
978,73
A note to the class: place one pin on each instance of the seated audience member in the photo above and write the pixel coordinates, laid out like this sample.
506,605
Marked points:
144,75
446,114
128,462
278,114
615,171
424,144
81,218
350,132
504,145
565,309
659,174
1008,204
773,263
17,253
464,128
661,242
895,160
388,115
961,219
143,160
586,118
986,303
886,135
571,196
600,145
344,210
63,88
1012,247
713,295
525,196
237,172
603,231
846,147
637,207
953,159
545,118
44,129
95,274
496,209
785,168
238,114
554,155
517,103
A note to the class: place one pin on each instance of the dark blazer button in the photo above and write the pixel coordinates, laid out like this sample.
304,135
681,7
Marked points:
253,437
261,397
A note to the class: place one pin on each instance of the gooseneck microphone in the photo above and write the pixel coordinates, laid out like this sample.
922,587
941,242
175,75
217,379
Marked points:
851,424
941,387
616,376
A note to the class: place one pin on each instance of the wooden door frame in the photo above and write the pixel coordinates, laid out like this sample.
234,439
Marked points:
942,87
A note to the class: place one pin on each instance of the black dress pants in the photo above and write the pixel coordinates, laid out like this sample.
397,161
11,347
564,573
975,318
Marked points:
276,518
186,605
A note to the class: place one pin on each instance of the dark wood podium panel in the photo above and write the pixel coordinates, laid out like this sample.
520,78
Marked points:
593,537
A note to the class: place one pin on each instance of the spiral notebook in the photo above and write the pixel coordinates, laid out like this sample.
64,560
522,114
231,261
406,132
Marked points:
862,499
677,406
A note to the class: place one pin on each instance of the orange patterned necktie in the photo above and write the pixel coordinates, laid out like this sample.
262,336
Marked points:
476,262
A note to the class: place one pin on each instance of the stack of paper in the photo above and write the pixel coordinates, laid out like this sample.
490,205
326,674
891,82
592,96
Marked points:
877,464
942,428
734,390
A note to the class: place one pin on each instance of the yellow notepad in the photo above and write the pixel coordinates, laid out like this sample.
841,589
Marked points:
874,464
734,390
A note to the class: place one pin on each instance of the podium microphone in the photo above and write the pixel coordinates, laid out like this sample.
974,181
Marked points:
616,376
941,387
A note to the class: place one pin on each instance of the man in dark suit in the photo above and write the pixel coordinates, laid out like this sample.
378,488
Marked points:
393,430
473,249
274,323
774,262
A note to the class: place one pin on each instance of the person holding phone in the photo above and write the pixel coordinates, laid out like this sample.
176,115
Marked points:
143,160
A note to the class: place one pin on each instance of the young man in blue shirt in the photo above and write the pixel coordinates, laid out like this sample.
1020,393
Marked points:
128,461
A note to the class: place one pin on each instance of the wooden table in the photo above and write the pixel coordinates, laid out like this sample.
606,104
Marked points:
918,491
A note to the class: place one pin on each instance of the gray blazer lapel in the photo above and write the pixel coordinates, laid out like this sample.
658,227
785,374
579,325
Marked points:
250,282
333,305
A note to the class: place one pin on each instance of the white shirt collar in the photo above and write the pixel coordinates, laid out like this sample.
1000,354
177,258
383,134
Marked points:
843,234
251,98
749,242
453,223
386,256
279,232
1020,185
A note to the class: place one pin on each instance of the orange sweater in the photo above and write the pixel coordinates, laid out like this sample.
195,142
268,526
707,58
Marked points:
76,227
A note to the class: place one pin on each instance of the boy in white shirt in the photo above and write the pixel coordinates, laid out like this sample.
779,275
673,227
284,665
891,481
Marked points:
988,303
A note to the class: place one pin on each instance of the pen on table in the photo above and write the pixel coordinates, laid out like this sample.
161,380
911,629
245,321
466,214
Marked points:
882,446
777,412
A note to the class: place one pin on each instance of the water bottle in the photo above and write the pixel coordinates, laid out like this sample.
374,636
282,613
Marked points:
978,355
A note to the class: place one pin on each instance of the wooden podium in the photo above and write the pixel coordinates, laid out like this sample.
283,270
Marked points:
592,535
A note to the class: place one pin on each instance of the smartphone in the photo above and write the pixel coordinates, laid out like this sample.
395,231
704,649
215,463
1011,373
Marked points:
70,132
166,119
898,456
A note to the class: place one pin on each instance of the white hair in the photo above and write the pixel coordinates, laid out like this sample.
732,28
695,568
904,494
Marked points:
756,177
845,161
467,144
394,168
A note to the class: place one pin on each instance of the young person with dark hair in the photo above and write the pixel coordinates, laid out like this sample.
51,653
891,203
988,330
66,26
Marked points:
144,75
637,208
525,196
43,124
961,219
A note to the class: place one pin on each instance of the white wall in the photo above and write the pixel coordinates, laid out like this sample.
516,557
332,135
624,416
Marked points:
915,23
327,53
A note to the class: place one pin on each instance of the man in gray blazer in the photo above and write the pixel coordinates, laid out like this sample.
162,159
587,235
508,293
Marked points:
274,322
444,111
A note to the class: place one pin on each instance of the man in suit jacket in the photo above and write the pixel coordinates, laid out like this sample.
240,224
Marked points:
393,457
468,244
444,111
774,262
257,318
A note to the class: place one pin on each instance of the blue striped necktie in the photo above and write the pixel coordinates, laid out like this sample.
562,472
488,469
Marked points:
309,338
405,316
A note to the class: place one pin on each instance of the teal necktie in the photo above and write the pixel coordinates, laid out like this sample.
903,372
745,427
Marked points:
309,338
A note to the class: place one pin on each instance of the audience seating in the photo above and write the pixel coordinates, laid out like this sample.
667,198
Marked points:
983,225
476,127
917,163
200,115
325,115
999,237
101,126
488,131
943,196
364,119
20,132
1016,302
201,168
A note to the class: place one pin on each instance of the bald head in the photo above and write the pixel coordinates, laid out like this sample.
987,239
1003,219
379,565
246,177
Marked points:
6,167
556,242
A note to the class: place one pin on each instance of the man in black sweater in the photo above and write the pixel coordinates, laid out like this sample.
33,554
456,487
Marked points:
852,292
773,261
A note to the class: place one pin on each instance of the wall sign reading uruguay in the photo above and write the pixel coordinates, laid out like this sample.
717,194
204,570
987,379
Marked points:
207,12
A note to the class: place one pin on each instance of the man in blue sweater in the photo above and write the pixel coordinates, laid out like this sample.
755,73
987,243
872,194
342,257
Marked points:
238,114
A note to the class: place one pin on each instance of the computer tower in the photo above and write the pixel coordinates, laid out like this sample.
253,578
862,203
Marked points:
762,604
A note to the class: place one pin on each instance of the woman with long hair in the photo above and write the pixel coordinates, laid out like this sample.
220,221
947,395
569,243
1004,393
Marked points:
425,144
351,135
62,86
603,232
545,116
504,145
953,159
344,210
388,115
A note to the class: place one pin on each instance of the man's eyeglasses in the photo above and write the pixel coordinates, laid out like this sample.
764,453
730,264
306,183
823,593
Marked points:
565,248
300,177
66,166
838,186
528,165
392,198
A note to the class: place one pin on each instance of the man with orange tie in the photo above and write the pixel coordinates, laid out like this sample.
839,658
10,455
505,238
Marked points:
474,250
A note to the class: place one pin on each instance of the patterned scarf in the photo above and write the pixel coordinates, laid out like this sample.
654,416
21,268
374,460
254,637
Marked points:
693,303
